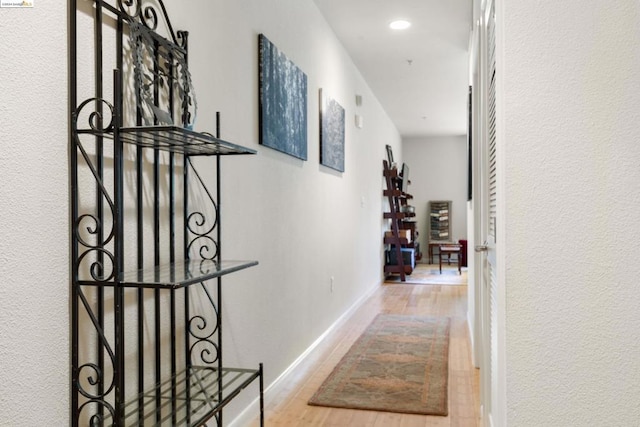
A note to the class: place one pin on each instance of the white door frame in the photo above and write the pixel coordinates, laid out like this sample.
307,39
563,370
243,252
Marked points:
493,393
475,211
500,400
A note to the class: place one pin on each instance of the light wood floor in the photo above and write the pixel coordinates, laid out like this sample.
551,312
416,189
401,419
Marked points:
289,408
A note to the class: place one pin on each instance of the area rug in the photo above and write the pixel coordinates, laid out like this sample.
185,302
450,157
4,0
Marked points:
429,274
399,364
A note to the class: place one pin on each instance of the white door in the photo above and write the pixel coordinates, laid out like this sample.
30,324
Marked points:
486,220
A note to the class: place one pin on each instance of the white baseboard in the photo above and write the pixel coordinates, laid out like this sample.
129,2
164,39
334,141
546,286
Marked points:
472,341
250,412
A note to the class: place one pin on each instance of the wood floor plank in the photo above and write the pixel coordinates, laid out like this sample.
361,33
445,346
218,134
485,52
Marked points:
289,407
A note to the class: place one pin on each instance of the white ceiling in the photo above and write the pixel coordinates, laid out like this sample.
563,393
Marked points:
419,75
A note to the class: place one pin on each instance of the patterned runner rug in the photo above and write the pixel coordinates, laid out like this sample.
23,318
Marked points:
399,364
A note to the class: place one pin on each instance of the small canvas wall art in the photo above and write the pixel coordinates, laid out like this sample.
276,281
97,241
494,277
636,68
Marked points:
331,133
283,102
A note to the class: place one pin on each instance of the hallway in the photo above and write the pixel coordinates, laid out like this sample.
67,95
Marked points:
289,408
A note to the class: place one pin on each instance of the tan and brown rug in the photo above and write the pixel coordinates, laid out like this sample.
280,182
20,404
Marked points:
399,364
429,274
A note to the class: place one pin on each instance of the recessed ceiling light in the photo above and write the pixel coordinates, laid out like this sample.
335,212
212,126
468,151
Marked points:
400,24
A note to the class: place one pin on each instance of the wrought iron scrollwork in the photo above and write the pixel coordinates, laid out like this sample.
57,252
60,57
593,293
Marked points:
125,7
203,349
96,120
181,39
95,377
90,225
149,18
205,344
99,270
97,419
97,227
207,246
92,120
146,12
93,227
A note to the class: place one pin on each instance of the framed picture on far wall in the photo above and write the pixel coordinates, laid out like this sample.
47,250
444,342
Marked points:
331,133
283,102
390,156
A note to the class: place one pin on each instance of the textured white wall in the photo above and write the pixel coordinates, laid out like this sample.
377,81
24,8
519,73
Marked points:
571,102
438,171
34,258
303,222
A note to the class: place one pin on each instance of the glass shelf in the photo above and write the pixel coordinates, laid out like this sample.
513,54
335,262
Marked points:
180,140
182,273
175,139
189,398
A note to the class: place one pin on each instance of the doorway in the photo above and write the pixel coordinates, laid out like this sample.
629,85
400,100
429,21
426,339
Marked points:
488,274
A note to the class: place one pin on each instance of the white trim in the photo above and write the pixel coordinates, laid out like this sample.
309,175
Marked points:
470,331
252,410
475,259
500,399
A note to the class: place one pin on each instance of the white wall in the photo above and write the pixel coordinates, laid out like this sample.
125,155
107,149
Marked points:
571,107
303,222
34,258
438,171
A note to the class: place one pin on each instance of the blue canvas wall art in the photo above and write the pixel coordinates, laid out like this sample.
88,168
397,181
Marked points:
331,133
283,102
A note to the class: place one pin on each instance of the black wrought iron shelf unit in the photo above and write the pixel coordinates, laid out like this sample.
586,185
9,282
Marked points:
146,240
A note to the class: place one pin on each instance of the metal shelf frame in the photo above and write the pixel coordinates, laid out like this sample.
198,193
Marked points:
190,396
145,230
